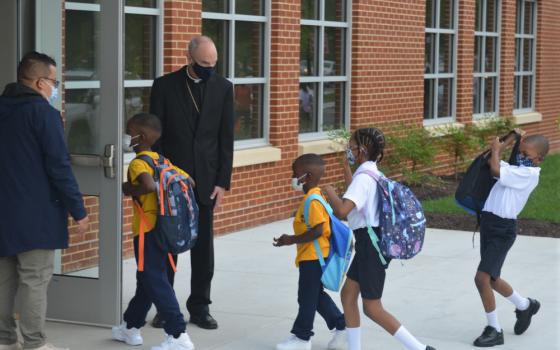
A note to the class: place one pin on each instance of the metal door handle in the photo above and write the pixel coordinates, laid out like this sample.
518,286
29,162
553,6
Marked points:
107,161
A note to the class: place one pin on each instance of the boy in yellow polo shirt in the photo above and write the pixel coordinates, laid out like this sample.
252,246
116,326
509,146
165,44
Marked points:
152,285
307,172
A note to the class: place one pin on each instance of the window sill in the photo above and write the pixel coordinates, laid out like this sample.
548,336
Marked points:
320,147
527,118
438,130
260,155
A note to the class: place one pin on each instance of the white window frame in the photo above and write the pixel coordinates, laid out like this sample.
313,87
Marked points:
320,78
483,74
232,18
148,11
533,71
436,75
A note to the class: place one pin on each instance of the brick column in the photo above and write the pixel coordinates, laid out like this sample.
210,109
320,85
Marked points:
182,20
465,63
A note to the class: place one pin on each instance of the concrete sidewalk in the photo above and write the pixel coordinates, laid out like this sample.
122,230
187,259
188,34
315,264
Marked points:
433,295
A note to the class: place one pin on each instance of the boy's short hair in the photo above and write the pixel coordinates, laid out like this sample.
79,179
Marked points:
34,65
310,159
540,142
147,120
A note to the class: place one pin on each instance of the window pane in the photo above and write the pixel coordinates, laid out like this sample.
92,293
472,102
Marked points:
248,111
492,16
527,92
218,31
476,95
491,44
333,106
308,50
81,45
248,49
82,107
334,47
307,107
141,3
445,53
335,10
249,7
478,16
136,100
518,23
140,47
445,96
518,55
430,53
489,95
528,55
478,40
429,98
215,6
309,9
431,13
528,13
446,14
516,99
84,1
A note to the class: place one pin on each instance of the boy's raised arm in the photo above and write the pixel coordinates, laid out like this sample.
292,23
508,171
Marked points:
146,184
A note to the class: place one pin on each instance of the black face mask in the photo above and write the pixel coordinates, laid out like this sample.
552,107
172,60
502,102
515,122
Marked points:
204,73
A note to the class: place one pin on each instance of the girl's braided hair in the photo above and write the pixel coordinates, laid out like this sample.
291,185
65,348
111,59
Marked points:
373,140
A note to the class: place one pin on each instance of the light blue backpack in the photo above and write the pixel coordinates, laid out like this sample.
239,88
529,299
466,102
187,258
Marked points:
340,253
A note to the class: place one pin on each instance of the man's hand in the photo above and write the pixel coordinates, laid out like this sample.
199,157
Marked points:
83,225
282,241
218,195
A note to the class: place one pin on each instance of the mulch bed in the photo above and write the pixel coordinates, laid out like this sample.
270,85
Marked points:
466,222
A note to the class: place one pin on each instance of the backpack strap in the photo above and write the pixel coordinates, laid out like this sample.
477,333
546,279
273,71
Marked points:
143,225
329,210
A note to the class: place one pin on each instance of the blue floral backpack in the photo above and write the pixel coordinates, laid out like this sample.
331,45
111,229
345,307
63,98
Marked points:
401,220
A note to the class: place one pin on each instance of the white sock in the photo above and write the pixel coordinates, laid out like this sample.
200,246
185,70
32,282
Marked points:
520,302
408,340
493,320
354,336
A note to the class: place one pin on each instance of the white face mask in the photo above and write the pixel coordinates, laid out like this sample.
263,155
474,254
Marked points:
127,143
296,185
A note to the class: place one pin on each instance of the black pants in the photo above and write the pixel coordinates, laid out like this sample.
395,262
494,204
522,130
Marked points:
313,298
202,263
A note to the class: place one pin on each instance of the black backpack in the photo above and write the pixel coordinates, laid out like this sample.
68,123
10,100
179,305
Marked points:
474,188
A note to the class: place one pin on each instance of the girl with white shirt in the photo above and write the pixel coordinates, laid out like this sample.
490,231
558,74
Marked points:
366,275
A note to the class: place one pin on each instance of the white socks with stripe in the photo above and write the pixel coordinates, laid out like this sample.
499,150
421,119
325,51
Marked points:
408,340
354,336
520,302
493,320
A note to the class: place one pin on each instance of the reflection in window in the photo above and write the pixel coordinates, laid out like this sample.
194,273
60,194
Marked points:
81,45
524,73
82,107
140,45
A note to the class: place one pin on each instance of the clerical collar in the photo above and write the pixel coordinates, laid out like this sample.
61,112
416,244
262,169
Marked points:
190,77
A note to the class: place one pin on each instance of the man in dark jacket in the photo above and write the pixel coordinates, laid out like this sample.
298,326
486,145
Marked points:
196,109
37,190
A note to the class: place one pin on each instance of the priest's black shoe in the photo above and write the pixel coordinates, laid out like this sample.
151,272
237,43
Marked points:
204,321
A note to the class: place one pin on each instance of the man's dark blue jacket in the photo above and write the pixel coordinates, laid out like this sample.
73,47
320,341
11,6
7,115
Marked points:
37,186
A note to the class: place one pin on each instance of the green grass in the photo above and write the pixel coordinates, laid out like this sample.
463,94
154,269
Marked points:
544,203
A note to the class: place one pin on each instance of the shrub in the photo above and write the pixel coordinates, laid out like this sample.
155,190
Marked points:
458,142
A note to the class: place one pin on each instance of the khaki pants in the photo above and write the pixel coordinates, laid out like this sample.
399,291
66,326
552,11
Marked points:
25,276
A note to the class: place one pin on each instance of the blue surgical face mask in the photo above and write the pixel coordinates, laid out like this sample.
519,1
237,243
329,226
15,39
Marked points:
350,156
204,73
523,160
54,94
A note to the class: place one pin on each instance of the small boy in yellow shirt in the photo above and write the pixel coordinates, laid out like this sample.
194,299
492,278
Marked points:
307,172
152,284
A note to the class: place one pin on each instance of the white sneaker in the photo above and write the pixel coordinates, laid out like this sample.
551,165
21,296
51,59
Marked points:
50,347
294,343
338,340
181,343
14,346
130,336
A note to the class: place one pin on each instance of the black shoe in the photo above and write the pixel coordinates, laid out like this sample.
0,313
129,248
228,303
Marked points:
204,321
158,322
524,317
429,348
489,338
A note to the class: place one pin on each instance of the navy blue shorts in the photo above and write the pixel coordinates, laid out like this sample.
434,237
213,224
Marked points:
366,268
497,235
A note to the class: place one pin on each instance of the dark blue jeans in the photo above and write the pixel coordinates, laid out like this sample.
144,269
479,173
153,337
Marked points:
152,286
313,298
